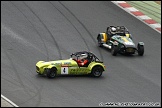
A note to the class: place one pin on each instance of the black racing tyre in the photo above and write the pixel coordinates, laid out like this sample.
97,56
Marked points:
51,73
140,50
114,50
39,73
99,41
97,71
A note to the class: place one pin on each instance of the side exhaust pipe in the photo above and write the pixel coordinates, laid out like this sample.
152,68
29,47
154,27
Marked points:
107,46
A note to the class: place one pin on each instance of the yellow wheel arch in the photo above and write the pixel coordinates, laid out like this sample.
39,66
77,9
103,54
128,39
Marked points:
104,37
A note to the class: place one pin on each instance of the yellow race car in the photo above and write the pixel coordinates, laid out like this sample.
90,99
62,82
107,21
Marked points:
72,66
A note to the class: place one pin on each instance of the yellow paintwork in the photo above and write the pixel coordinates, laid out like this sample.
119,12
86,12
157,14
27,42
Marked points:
127,35
70,64
104,37
125,40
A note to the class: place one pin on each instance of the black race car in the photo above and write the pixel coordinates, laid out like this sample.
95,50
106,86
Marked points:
119,40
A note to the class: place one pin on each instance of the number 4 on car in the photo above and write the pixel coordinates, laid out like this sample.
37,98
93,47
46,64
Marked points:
80,63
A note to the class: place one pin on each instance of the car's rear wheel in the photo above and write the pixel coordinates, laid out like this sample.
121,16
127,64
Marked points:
99,41
97,71
51,73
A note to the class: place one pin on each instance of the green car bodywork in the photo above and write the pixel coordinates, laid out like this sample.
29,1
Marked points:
119,41
66,67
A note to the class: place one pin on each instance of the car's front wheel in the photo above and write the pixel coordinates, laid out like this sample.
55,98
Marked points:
140,50
51,73
114,50
97,71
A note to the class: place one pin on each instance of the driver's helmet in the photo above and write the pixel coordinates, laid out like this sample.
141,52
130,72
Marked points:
113,30
83,56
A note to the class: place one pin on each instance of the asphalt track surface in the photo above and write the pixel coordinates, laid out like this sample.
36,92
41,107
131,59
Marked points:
42,30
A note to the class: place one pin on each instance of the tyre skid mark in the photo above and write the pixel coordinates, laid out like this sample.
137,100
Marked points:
22,85
28,91
16,73
83,27
72,25
60,56
37,91
37,94
34,28
10,81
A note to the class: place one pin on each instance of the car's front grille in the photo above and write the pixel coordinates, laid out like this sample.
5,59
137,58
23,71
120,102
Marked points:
130,50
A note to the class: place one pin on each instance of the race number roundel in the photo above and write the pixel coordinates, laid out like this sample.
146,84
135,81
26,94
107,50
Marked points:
64,70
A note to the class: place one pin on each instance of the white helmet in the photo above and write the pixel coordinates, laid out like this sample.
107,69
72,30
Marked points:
83,56
113,29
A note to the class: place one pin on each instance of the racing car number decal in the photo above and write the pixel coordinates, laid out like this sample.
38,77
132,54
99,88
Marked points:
64,70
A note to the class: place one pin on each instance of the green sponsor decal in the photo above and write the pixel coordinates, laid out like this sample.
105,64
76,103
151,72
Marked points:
67,63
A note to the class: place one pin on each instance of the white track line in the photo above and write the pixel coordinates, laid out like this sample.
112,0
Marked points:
9,101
